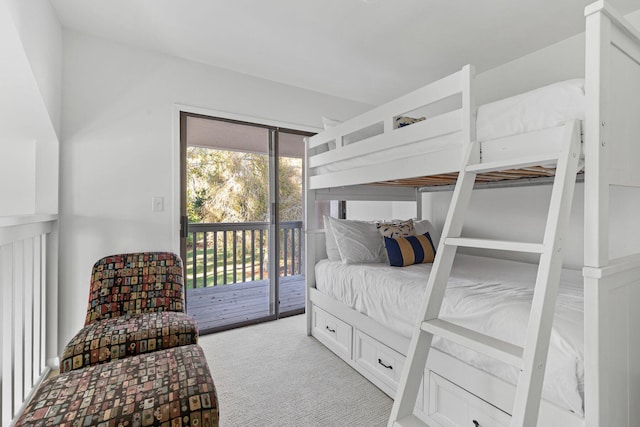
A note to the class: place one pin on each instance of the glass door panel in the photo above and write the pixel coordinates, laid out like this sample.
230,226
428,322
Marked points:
227,206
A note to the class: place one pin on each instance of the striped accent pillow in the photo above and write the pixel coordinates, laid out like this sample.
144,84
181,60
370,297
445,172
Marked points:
410,250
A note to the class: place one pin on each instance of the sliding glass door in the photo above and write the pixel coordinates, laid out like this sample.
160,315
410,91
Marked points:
241,226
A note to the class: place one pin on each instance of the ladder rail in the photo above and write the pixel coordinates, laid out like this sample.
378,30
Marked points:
536,347
420,344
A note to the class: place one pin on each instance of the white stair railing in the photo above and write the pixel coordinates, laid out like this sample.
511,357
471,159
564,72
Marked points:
24,304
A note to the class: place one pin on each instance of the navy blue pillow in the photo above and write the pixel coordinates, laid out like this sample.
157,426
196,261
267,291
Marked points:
410,250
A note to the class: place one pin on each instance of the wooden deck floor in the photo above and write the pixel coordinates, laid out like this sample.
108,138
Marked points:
223,307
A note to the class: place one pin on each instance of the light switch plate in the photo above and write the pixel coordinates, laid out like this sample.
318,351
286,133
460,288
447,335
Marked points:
157,204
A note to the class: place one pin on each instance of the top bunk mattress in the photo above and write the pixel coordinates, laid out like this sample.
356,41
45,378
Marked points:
543,108
477,300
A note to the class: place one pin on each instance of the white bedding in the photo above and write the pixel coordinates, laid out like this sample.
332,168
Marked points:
542,108
488,295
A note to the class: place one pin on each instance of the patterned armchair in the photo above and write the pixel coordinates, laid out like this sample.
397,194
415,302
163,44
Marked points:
136,305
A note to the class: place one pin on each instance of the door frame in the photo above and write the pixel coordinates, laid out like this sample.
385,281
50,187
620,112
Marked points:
179,208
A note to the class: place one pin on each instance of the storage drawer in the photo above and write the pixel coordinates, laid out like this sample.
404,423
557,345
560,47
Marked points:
383,362
332,332
451,406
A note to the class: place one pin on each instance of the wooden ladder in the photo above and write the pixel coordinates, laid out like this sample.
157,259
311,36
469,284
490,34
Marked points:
530,359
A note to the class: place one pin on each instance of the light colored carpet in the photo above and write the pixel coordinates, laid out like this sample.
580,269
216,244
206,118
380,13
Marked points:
273,374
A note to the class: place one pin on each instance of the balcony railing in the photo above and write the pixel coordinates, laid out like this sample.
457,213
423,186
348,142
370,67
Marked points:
224,253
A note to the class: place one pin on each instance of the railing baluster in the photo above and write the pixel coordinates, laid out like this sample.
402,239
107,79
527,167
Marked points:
38,292
215,258
244,256
18,319
194,256
235,256
290,252
253,254
28,314
261,254
293,251
285,235
300,245
224,251
204,255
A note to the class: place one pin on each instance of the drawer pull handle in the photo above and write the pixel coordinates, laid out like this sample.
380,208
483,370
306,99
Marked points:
475,423
333,331
382,363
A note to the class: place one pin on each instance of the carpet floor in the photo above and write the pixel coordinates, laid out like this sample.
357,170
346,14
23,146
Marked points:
273,374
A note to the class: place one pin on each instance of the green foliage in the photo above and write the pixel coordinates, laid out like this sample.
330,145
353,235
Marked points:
230,186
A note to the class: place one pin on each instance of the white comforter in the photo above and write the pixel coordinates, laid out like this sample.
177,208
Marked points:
488,295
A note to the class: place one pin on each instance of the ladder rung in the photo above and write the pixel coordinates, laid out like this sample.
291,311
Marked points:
502,245
410,421
498,349
522,162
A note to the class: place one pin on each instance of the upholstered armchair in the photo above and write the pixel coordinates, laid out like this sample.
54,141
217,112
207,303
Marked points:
136,305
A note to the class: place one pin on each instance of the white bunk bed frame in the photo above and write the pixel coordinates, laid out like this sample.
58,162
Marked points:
611,148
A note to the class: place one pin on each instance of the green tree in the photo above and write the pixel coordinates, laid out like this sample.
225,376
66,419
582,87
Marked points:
230,186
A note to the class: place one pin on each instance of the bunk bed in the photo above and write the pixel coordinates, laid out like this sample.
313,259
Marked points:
370,158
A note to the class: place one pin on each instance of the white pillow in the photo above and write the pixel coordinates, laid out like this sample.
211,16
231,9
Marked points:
424,226
329,123
540,108
358,241
333,254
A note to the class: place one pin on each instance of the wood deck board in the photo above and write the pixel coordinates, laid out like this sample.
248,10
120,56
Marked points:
219,306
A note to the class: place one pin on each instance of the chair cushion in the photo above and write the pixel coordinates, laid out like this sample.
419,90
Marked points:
133,283
164,388
127,336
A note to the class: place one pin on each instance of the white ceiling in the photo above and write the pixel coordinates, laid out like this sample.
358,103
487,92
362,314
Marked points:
365,50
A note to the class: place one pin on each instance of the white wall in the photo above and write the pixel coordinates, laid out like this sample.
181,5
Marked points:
17,177
30,86
119,149
41,38
371,211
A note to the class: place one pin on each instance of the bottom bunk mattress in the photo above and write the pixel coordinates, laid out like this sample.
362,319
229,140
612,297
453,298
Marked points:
491,296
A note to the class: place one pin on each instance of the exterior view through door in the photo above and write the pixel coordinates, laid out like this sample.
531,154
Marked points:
241,229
